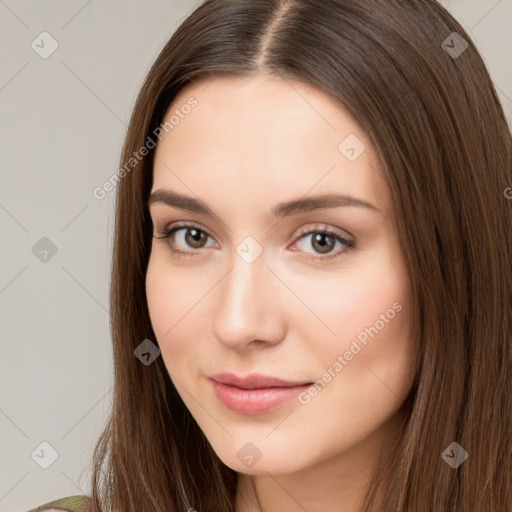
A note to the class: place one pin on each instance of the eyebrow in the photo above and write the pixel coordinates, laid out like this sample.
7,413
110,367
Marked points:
280,210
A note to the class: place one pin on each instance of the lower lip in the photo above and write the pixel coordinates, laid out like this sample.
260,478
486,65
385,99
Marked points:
255,401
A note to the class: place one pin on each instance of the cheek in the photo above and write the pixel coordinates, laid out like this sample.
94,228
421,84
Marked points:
375,315
379,354
161,297
365,300
364,372
369,352
174,295
167,298
171,292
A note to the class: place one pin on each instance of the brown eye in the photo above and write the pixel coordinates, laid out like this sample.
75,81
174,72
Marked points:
323,242
195,238
185,236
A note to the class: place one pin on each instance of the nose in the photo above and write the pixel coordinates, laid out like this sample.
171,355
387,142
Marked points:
248,313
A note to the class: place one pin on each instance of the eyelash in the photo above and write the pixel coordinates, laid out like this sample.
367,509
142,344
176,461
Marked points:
168,233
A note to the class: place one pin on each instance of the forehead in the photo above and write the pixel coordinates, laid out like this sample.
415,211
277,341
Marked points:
265,138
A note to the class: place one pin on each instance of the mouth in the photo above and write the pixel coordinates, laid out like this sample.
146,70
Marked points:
256,393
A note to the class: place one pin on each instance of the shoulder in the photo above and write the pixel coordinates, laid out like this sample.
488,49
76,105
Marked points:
76,503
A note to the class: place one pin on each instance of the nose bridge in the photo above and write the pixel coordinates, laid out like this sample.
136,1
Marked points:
247,307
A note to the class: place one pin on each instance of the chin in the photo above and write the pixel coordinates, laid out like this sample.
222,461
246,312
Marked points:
260,457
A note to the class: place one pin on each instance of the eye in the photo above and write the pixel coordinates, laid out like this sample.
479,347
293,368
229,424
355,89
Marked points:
322,240
192,236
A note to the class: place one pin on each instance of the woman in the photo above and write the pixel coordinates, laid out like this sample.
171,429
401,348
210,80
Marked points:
313,268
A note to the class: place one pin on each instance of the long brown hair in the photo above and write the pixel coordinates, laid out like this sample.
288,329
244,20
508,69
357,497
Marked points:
428,105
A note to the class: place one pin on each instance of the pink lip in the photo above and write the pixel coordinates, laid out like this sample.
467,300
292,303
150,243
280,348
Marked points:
256,393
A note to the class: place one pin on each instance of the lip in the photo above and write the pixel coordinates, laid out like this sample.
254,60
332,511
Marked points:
255,393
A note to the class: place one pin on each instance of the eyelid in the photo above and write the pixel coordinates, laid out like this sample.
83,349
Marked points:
188,224
322,228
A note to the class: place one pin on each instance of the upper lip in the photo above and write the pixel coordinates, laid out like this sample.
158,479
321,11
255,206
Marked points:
255,381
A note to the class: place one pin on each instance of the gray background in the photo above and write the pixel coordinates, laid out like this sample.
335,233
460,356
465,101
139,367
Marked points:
62,123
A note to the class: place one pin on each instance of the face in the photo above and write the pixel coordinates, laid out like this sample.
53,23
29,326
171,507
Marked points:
315,294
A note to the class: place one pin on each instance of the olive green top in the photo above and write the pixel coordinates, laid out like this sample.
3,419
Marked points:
70,504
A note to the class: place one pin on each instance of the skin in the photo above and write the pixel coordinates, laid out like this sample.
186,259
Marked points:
249,144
